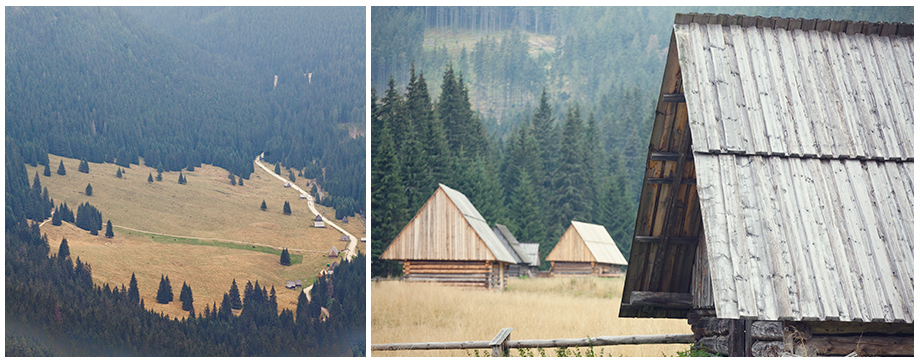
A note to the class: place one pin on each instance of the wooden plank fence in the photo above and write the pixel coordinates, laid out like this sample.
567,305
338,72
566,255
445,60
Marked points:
501,345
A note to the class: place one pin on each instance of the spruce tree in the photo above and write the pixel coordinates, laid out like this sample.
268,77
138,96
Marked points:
263,207
47,171
287,208
162,295
108,229
118,173
133,293
291,176
285,258
188,302
240,183
232,179
570,182
388,201
234,294
169,292
183,294
61,170
84,167
56,217
278,168
150,178
63,250
159,176
181,178
89,190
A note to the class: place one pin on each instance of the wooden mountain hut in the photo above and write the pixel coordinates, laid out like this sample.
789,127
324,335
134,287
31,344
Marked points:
532,251
318,222
523,263
334,252
586,249
776,212
448,241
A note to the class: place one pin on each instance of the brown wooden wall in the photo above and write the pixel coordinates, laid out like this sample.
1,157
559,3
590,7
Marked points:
486,274
571,248
585,268
438,232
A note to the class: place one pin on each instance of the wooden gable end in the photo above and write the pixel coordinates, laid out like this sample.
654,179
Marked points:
439,231
571,248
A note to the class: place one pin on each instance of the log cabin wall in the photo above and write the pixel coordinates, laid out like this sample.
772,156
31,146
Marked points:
458,273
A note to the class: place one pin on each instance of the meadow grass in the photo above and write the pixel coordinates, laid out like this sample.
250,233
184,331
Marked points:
207,207
545,308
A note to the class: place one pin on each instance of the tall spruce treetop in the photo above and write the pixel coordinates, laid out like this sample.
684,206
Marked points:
134,295
63,250
61,170
431,133
463,129
234,294
570,180
47,171
544,133
388,198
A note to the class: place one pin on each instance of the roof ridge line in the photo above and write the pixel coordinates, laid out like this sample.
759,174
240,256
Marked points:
909,159
835,26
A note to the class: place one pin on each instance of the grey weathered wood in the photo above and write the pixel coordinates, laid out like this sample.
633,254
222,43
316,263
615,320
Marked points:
871,283
894,95
545,343
780,266
710,326
766,348
673,98
499,344
848,127
691,82
846,211
812,97
752,114
767,330
751,236
734,39
801,300
674,240
864,103
711,113
715,344
862,345
671,300
717,233
801,138
840,140
785,139
738,251
878,97
727,120
885,253
815,240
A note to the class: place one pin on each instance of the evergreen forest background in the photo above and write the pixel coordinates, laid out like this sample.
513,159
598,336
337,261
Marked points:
182,86
176,88
539,115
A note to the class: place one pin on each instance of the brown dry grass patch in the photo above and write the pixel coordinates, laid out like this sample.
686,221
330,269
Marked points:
208,206
547,308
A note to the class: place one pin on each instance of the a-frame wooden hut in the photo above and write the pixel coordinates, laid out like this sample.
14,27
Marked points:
776,214
448,241
586,249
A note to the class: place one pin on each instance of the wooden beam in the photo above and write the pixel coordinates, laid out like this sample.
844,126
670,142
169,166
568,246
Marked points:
671,300
673,98
670,181
675,240
499,344
667,156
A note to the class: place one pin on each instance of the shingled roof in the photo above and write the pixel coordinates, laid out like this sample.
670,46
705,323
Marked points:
799,170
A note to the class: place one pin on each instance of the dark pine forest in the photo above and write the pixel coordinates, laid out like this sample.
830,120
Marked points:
539,115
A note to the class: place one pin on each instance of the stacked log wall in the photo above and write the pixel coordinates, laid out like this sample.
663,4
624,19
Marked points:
459,273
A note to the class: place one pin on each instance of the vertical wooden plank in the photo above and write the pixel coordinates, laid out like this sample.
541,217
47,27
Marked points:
752,238
739,254
816,240
799,126
721,77
709,184
892,262
901,115
691,84
783,119
751,112
774,242
845,95
865,104
878,96
789,211
905,66
839,139
812,96
903,211
857,206
766,96
712,116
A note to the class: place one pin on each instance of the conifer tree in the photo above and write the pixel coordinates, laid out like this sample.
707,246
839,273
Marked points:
150,178
61,170
285,257
56,217
63,250
133,293
89,190
84,167
287,208
159,176
234,295
232,179
240,183
388,201
47,171
162,295
169,292
278,168
108,229
181,178
118,173
188,303
263,206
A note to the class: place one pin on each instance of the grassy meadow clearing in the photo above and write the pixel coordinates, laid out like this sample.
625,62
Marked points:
546,308
207,207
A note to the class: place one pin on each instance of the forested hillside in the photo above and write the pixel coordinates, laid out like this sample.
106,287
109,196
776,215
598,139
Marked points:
562,100
185,86
53,308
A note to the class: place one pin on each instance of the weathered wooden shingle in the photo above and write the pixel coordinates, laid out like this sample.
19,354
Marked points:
800,171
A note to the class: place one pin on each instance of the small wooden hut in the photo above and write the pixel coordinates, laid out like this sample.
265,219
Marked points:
318,222
524,264
586,249
448,241
776,213
334,252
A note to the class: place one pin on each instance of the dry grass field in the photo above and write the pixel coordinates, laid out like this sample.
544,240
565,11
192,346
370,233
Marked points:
546,308
207,207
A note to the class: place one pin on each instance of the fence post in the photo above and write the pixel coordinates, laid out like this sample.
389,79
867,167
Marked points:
499,344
